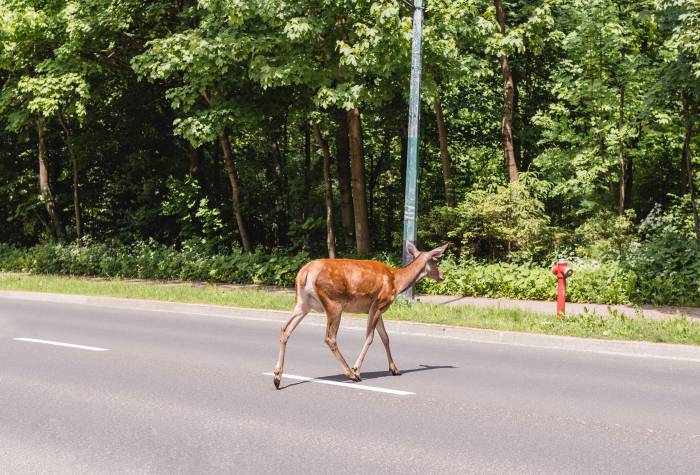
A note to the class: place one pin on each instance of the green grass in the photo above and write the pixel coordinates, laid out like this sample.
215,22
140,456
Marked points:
188,293
613,326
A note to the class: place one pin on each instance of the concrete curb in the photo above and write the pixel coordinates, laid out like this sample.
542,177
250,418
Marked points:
635,349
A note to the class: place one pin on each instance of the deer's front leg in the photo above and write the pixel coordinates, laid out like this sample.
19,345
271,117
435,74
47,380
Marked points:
333,313
372,319
385,339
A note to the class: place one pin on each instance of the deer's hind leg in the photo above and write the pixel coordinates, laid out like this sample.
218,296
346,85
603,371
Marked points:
385,339
374,316
301,309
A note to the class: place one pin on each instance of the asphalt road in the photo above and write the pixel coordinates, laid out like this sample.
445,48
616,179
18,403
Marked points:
179,393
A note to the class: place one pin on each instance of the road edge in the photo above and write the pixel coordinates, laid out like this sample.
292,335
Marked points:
637,349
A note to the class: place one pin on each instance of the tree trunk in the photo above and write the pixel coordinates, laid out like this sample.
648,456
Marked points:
307,172
396,201
622,158
444,153
357,170
629,169
233,179
282,200
375,170
508,98
347,215
391,206
687,155
74,167
45,187
328,188
193,161
523,91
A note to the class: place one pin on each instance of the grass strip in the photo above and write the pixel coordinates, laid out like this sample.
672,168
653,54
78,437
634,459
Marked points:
613,326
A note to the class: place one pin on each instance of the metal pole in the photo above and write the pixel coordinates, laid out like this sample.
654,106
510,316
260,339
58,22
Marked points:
411,196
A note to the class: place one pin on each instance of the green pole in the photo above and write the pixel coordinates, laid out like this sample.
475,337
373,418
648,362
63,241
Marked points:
411,197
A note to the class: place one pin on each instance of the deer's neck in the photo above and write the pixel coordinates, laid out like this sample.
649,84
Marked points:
405,277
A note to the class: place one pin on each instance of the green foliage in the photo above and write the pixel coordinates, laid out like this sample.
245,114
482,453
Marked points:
193,213
136,94
508,221
592,282
148,260
675,219
607,282
605,236
666,269
637,280
471,278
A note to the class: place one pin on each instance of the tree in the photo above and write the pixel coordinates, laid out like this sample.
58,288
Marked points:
204,61
511,164
600,89
357,171
328,190
45,83
681,75
599,99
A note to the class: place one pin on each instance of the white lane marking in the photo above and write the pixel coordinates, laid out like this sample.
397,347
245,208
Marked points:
58,343
345,385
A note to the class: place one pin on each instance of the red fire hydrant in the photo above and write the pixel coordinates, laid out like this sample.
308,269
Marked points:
562,272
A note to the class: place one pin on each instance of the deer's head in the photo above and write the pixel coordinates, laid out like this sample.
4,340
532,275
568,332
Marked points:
428,260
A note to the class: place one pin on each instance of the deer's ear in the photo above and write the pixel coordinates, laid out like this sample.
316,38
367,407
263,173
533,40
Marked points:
412,249
438,251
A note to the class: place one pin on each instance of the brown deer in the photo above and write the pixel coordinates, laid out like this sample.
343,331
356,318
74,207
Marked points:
335,285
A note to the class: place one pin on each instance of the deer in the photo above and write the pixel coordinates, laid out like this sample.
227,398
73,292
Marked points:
332,286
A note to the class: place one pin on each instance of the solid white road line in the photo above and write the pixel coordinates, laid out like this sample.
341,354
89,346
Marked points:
345,385
58,343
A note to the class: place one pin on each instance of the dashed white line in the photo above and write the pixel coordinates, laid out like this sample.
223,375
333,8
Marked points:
346,385
59,343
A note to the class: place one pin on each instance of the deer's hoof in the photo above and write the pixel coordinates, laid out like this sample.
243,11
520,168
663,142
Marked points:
354,375
395,371
277,379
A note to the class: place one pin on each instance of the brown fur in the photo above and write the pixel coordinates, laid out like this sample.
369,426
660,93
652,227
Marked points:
332,286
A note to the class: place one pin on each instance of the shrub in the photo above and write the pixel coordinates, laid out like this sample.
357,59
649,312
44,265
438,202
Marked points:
667,270
660,271
592,282
677,218
149,260
605,235
596,282
509,221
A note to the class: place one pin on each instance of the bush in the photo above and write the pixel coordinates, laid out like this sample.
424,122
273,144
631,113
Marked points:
676,218
595,282
149,260
592,282
667,270
471,278
660,271
605,235
507,222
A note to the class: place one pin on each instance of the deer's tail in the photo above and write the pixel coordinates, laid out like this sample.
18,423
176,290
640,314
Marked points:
300,282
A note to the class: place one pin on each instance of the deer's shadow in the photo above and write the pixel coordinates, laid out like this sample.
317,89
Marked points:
341,378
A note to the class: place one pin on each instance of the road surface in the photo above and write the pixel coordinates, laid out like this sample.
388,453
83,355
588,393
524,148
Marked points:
186,393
